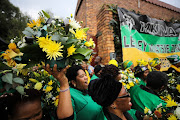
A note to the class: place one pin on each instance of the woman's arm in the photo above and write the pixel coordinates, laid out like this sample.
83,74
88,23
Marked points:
64,108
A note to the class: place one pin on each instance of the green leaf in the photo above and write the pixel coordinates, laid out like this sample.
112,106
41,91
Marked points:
18,80
85,29
70,41
8,87
28,31
7,78
78,56
56,37
83,51
18,58
46,14
63,40
20,89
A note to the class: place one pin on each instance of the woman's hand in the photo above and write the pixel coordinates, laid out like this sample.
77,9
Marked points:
59,75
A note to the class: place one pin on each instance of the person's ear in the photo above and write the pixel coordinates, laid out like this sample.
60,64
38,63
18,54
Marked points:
113,105
73,82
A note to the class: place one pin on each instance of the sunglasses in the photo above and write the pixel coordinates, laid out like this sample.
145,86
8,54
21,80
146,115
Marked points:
124,96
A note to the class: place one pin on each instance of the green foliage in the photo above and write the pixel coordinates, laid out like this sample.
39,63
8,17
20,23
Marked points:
46,14
115,25
12,21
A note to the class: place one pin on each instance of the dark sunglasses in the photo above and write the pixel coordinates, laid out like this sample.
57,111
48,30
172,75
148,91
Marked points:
124,96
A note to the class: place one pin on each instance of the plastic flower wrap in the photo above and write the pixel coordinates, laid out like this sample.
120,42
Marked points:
60,42
127,78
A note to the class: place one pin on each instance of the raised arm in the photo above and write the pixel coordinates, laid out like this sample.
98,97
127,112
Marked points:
64,108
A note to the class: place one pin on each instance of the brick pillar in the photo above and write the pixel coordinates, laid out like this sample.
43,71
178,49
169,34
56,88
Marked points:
105,43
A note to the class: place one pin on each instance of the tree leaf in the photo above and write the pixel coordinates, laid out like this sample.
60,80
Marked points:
45,14
7,78
20,89
18,80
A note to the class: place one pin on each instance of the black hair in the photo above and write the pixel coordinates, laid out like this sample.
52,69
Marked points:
156,79
72,72
97,68
10,103
111,70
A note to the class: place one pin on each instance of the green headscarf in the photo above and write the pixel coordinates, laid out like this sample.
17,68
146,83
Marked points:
127,64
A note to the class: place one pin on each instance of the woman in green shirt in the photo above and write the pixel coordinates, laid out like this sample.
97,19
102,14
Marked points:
146,96
114,98
74,102
141,73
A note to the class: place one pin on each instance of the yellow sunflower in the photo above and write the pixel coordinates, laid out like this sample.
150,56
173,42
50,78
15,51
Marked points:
71,50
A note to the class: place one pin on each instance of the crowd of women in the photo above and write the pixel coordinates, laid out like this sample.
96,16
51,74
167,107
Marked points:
88,93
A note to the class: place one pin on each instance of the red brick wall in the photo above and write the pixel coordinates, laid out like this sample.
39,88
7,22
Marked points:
97,19
82,14
105,43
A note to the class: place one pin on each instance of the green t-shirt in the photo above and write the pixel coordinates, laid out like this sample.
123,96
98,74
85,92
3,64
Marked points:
83,105
94,77
141,99
132,113
140,81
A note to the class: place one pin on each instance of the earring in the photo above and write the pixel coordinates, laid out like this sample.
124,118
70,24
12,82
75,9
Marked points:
74,85
114,107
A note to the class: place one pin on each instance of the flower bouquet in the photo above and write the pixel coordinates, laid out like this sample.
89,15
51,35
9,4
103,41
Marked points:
127,78
170,112
173,87
61,42
46,84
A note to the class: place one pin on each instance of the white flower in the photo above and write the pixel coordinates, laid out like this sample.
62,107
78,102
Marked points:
159,105
48,25
131,75
58,24
149,111
54,98
22,45
19,43
177,112
11,40
53,21
74,24
24,40
49,95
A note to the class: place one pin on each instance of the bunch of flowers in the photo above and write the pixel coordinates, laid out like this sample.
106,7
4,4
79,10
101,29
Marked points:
173,87
47,84
170,112
127,78
11,55
61,40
